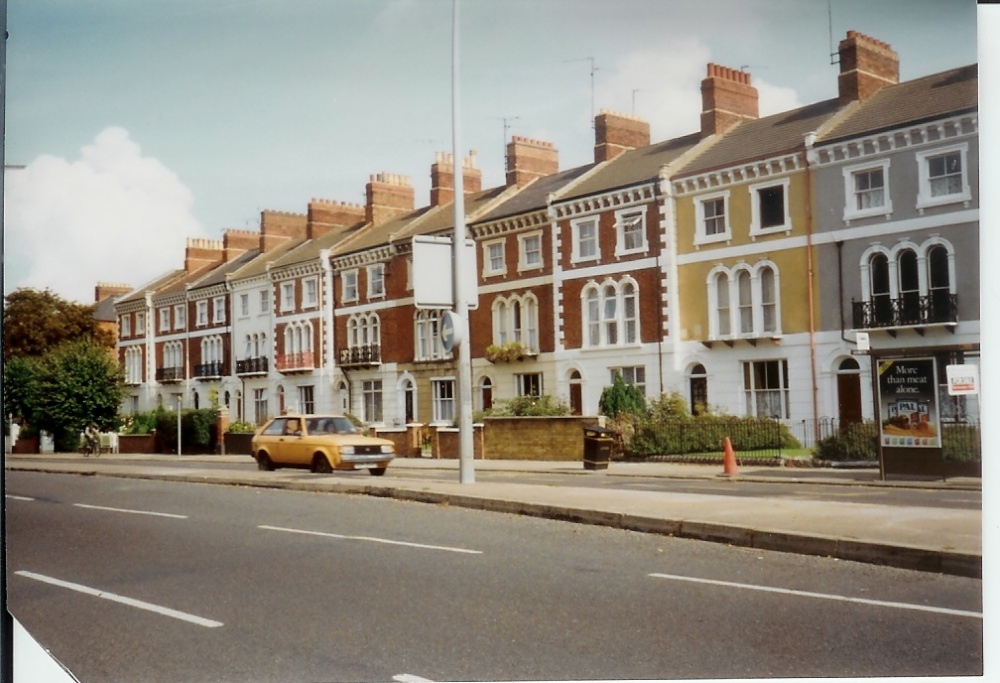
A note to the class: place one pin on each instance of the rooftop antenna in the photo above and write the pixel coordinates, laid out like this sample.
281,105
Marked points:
834,56
593,69
506,127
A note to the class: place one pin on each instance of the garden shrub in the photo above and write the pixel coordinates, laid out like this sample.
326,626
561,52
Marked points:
239,427
622,397
854,442
529,406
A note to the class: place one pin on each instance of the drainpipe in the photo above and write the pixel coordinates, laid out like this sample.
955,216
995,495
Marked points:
328,325
840,288
810,140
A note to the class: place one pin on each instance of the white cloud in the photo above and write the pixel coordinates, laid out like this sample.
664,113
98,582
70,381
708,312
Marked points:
113,215
665,83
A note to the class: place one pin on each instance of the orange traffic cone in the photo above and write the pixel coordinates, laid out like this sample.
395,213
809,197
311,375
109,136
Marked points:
728,459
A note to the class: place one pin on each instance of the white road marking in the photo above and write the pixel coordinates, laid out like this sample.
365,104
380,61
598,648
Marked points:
13,497
373,540
410,678
131,602
132,512
825,596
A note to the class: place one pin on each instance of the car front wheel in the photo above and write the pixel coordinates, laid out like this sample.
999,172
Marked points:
321,465
377,471
264,462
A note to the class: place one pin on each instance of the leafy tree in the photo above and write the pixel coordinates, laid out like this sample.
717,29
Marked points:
77,383
20,375
622,397
35,322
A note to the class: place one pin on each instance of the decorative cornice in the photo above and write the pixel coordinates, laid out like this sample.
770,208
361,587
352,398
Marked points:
613,199
742,173
369,257
130,306
861,147
502,226
295,270
207,292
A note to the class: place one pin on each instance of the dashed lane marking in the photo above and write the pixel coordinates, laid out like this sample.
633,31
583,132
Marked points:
372,539
410,678
825,596
11,496
132,512
131,602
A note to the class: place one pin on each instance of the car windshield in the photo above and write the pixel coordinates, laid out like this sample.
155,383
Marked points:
330,425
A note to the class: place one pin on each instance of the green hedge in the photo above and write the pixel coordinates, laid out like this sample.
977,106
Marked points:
704,434
855,442
197,429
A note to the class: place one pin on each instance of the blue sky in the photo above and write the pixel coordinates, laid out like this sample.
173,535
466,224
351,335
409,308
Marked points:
141,124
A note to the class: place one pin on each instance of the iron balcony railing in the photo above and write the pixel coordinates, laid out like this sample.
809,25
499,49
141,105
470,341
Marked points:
370,354
252,366
175,374
907,311
295,362
206,370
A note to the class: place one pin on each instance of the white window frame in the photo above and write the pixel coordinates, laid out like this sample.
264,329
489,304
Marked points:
851,210
489,268
244,305
165,319
631,375
180,316
624,217
599,326
576,225
523,263
310,292
219,309
349,284
265,301
924,198
701,235
372,389
735,306
427,335
752,393
444,405
140,323
201,313
522,381
755,222
287,290
376,281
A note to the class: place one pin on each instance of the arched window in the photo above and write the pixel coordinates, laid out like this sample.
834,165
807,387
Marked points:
485,393
698,381
593,318
722,304
630,313
909,287
881,295
610,317
745,288
768,299
939,284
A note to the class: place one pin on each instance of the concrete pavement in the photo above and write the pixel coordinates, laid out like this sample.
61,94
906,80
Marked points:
920,538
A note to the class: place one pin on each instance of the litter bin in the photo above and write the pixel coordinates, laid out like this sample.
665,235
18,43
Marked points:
597,442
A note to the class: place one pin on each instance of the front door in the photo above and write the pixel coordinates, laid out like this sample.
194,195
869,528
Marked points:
849,398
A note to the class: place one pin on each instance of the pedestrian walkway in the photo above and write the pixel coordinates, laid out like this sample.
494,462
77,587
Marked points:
923,538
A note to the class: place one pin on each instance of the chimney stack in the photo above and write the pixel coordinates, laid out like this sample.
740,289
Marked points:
443,177
617,133
201,252
726,99
325,215
105,289
866,66
279,226
236,242
528,159
387,195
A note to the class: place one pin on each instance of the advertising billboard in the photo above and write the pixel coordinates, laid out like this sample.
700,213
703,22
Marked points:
907,390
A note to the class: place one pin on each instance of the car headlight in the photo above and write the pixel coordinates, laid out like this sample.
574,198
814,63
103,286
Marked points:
387,449
347,450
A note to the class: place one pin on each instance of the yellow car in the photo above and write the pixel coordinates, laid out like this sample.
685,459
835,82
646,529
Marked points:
321,443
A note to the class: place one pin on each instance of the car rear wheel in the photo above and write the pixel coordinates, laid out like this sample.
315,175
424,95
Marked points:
321,465
377,471
264,462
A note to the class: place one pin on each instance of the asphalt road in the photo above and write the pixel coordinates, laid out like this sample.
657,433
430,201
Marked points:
129,580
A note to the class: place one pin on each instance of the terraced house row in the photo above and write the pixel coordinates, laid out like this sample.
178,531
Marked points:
736,265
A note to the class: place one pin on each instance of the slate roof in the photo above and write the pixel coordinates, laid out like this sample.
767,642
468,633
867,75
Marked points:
155,285
762,138
218,275
105,310
633,167
922,99
533,197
